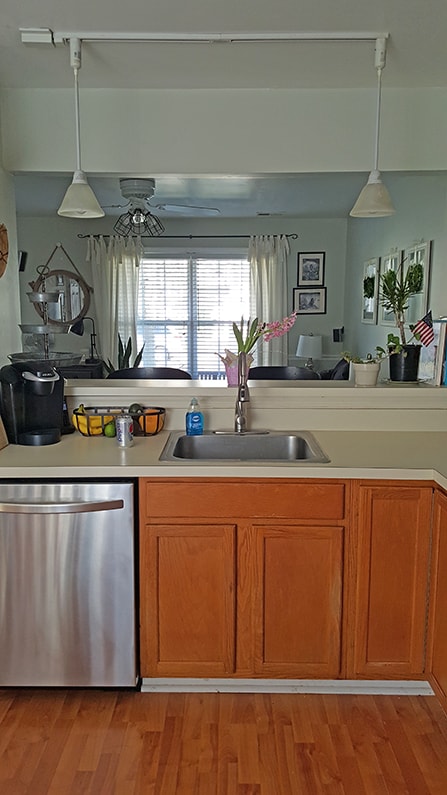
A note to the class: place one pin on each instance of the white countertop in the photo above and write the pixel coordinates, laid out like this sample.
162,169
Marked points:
411,455
390,448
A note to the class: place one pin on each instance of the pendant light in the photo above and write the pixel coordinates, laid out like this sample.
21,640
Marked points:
374,200
79,200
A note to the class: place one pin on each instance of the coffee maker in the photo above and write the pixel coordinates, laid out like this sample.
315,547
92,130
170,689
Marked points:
31,402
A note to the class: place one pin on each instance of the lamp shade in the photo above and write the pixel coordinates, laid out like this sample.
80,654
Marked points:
79,200
309,346
374,199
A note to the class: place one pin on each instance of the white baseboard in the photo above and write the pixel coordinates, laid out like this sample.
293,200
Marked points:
336,686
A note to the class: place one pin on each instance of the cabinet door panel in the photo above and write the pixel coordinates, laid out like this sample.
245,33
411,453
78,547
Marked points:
188,600
437,662
298,601
392,580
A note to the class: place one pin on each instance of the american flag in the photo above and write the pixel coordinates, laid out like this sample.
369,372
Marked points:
424,328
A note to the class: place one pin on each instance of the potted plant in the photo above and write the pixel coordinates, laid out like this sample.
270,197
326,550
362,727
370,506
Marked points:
396,289
366,370
246,336
124,354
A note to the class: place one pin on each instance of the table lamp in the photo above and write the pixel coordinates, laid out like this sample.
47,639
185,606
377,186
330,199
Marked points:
309,347
78,328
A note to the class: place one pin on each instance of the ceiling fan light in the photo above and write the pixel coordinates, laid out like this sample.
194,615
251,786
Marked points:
123,226
153,225
138,222
138,217
79,200
374,200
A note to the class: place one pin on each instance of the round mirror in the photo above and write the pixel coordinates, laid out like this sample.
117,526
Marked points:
72,295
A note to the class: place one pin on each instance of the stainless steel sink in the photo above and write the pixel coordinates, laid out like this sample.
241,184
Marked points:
264,446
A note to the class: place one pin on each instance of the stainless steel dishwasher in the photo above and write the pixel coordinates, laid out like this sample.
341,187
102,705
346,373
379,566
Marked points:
67,584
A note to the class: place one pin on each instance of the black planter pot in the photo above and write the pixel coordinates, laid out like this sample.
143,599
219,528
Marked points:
404,366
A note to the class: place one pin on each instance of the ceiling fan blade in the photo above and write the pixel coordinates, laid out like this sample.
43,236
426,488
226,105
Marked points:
115,206
188,209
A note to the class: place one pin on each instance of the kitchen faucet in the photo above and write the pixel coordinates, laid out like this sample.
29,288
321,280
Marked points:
243,395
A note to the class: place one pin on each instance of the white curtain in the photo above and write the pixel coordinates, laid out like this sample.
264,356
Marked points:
115,281
267,255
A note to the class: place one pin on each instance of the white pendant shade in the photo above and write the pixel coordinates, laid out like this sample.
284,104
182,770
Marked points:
79,200
374,199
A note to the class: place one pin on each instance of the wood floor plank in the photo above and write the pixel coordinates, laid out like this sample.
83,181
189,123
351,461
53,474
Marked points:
129,743
326,760
284,748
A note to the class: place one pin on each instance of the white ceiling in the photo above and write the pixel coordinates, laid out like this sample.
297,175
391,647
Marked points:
416,56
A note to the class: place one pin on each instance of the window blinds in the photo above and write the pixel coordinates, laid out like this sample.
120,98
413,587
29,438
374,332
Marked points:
186,309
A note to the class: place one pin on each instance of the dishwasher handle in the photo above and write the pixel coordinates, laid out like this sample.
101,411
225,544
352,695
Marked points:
60,507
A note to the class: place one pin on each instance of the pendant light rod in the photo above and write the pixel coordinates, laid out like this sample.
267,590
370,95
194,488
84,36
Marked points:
376,142
48,36
75,62
379,62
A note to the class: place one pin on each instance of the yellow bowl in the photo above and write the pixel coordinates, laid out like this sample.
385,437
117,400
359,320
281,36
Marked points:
90,424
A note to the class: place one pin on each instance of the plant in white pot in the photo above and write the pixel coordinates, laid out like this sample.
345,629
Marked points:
396,289
366,370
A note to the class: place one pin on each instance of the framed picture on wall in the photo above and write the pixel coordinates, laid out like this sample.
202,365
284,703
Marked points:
309,301
391,262
418,257
370,290
310,269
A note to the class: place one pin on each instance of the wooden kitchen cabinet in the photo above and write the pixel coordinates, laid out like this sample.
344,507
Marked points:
297,600
390,560
437,644
188,581
241,577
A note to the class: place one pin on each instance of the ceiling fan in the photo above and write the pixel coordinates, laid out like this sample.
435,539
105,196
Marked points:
139,219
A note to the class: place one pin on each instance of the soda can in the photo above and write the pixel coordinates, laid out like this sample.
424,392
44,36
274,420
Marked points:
124,430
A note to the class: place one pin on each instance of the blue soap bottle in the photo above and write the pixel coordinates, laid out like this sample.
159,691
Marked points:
194,419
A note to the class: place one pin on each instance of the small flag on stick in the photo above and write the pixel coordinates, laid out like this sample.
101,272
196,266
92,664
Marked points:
424,328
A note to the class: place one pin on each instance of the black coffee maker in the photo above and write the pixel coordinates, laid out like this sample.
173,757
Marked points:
31,402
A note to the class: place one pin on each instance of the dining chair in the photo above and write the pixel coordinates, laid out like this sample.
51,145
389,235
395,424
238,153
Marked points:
282,373
338,373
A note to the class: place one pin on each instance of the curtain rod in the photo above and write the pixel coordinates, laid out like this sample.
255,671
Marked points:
293,236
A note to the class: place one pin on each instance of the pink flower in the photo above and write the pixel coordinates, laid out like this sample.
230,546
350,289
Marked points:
247,334
278,327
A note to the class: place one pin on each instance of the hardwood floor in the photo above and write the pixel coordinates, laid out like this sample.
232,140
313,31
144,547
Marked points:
126,743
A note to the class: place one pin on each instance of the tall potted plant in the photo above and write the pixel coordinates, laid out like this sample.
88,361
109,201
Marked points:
396,289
